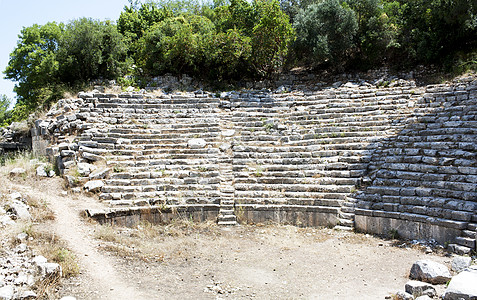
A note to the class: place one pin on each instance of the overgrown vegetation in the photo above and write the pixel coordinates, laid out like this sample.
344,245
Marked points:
229,40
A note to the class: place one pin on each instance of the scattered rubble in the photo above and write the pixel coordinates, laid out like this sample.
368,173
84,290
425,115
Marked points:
20,268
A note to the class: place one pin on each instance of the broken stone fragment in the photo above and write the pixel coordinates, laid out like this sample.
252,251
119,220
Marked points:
462,286
430,271
196,143
6,292
49,269
93,186
17,172
228,133
28,295
38,260
403,296
15,196
460,263
100,174
419,288
20,209
41,172
84,169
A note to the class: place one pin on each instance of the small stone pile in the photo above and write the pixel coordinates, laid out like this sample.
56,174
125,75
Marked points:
425,274
20,267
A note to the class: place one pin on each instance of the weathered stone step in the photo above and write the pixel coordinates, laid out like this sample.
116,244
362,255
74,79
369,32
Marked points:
301,196
460,225
159,164
466,242
339,144
289,201
345,223
296,188
198,179
134,138
469,234
158,198
266,179
190,187
315,165
227,223
389,187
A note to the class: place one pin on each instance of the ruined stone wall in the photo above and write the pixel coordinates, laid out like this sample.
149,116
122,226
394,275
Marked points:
389,158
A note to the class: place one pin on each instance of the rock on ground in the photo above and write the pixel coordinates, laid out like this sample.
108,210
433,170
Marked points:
429,271
463,286
41,172
419,288
425,297
17,172
20,210
403,296
6,292
93,186
460,263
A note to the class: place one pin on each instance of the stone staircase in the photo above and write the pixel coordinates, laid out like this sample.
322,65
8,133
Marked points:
324,157
309,151
161,151
427,173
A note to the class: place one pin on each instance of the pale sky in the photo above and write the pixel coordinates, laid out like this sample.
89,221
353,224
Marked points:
16,14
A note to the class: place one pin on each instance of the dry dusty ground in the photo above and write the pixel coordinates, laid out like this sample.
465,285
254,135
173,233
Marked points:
204,261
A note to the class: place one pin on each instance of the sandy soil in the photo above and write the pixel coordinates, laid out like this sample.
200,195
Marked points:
210,262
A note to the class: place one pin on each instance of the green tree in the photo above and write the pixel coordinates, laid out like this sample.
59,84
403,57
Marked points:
5,112
135,20
228,55
175,45
325,33
377,34
436,30
91,49
34,65
271,37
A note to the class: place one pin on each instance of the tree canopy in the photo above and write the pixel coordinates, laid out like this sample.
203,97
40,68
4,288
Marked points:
223,40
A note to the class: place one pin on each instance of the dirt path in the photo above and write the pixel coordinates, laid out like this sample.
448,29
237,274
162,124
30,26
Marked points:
99,276
211,262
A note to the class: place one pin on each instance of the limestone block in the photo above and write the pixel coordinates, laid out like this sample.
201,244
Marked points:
93,186
17,172
403,296
430,271
40,171
419,288
84,169
91,156
460,263
6,292
20,209
100,174
462,286
196,143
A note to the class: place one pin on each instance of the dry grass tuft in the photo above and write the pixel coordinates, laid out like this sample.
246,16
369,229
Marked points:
55,250
150,242
25,160
40,211
46,288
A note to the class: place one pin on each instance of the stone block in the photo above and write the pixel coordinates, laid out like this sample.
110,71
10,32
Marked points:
430,271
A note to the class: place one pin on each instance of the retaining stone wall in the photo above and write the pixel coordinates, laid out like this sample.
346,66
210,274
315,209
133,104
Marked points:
399,158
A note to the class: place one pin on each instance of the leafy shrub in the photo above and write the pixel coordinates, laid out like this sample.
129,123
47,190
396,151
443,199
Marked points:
325,33
175,45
